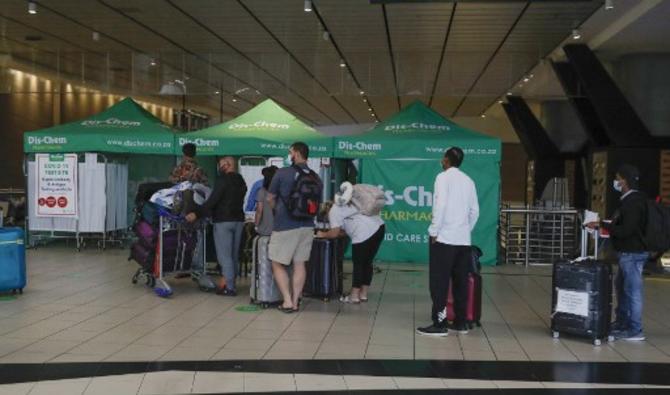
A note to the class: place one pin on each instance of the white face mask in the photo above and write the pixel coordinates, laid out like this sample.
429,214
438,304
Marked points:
617,186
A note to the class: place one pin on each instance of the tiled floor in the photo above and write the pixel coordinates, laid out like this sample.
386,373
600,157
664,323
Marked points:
82,307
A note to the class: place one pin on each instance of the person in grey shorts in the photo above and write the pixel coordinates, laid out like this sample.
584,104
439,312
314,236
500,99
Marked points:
291,239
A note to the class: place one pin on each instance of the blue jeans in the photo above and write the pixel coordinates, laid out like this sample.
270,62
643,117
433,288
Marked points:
629,290
227,239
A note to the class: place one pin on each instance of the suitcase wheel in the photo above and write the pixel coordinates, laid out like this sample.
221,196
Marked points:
597,342
555,334
137,274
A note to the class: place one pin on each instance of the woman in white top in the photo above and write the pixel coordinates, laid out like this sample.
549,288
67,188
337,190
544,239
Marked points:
367,234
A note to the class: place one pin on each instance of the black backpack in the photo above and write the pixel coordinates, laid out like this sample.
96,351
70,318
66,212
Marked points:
305,196
657,230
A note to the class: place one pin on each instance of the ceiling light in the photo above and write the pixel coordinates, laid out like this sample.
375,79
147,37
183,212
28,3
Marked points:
96,36
234,100
326,35
483,115
369,109
500,102
531,76
342,64
152,63
361,93
32,7
308,5
609,5
509,93
217,92
373,115
526,79
576,35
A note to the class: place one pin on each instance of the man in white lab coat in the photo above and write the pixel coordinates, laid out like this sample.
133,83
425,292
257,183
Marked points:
455,213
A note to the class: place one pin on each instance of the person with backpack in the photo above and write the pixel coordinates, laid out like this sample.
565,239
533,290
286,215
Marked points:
366,232
627,230
295,195
188,169
225,205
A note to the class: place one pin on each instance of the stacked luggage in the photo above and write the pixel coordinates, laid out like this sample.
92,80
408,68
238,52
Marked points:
165,243
582,296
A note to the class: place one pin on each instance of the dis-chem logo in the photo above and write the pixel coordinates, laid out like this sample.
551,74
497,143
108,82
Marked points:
47,140
358,146
111,122
399,128
200,142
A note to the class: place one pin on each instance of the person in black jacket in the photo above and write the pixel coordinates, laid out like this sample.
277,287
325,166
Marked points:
626,230
225,206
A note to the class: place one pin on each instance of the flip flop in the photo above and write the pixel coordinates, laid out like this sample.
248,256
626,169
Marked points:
348,299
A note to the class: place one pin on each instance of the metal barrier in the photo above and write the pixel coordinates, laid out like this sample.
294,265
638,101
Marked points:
538,236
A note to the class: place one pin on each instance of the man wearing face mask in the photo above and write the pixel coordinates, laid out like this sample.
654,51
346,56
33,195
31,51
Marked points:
626,230
292,234
225,205
455,213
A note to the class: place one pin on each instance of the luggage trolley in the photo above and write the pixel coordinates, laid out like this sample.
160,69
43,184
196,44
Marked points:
181,261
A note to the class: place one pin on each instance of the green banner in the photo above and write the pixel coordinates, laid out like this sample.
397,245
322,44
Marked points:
125,127
408,186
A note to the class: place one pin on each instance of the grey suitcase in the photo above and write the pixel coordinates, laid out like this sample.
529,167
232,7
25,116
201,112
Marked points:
264,290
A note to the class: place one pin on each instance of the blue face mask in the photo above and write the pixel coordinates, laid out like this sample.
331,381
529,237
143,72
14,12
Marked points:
617,186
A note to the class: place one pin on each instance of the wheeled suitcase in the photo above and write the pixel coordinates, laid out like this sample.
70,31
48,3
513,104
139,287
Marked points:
263,290
324,270
581,302
474,304
12,260
178,247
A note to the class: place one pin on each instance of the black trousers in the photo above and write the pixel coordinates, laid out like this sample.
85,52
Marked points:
447,263
362,255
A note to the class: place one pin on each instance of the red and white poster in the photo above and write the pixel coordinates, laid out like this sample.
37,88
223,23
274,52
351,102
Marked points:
56,185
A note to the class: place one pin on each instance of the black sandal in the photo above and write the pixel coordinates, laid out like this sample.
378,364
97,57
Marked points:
285,310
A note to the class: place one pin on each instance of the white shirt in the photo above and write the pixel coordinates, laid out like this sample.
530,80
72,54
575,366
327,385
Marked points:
455,208
358,226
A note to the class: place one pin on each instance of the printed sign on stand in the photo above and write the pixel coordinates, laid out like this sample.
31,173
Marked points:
56,185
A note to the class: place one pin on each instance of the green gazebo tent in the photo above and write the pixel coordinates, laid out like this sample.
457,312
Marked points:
124,131
266,129
125,128
402,155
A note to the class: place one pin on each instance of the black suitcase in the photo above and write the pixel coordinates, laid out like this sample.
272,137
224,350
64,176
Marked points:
324,270
582,299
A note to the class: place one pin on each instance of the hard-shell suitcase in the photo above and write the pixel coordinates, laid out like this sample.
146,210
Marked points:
263,290
581,302
474,304
324,270
582,299
12,260
178,247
